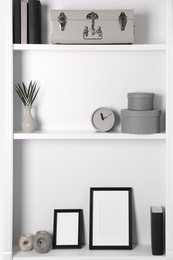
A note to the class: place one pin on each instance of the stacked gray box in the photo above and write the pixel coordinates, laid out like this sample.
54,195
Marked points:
140,101
140,118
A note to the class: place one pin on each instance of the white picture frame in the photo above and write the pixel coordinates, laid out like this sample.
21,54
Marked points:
110,218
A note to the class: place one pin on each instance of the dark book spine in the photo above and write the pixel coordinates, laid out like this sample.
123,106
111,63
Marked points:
157,233
34,13
16,21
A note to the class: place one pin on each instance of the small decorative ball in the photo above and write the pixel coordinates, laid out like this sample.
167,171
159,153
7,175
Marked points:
26,242
42,242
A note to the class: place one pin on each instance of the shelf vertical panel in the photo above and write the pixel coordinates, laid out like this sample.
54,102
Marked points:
169,129
6,135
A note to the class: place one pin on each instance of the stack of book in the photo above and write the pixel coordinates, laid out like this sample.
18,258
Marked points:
26,21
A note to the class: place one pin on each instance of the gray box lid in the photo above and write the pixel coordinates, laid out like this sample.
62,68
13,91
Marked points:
140,95
134,113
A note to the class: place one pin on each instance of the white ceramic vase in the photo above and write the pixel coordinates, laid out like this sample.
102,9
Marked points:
28,123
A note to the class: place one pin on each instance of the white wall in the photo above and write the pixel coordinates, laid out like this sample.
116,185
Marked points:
74,84
149,15
58,174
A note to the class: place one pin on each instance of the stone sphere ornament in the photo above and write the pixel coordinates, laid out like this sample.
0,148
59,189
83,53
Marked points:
26,242
42,242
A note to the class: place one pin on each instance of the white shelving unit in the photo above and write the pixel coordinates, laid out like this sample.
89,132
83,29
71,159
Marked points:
55,166
90,48
84,135
144,252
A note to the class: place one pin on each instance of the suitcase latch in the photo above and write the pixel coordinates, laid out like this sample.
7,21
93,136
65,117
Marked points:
92,33
62,20
122,20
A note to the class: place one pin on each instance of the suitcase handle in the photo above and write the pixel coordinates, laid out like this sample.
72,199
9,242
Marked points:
92,33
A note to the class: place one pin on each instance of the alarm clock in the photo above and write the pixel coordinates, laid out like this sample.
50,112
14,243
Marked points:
103,119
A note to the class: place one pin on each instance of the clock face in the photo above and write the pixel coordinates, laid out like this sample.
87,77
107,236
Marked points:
103,119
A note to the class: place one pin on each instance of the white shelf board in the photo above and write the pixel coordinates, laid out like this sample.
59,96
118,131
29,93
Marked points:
137,253
85,48
85,135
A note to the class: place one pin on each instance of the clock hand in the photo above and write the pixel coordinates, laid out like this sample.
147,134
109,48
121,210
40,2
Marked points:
102,117
107,116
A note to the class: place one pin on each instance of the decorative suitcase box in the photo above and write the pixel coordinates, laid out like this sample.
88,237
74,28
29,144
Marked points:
92,27
140,101
140,122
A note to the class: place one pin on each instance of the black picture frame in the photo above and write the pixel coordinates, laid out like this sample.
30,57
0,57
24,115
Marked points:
103,227
67,228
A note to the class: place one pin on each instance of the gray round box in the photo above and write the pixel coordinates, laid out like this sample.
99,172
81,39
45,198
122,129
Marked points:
140,101
140,122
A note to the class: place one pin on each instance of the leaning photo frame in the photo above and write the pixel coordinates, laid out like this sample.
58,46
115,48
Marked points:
67,228
110,218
